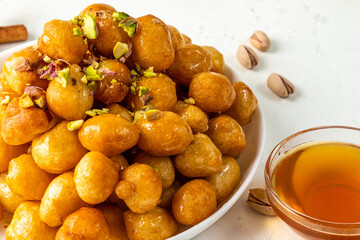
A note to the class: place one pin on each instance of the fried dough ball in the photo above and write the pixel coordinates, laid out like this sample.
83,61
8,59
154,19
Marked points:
186,38
26,224
227,135
26,179
140,187
110,91
21,125
108,134
9,200
194,202
190,59
156,224
146,52
95,177
168,194
244,105
218,62
8,152
109,33
58,41
161,93
58,150
120,111
165,136
193,115
20,70
121,161
115,219
212,92
86,223
60,200
162,165
226,180
70,102
200,159
176,37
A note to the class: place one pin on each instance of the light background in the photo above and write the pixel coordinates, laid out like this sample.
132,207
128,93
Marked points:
315,44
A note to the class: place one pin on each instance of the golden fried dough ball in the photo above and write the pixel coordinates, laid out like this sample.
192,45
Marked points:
96,7
20,70
200,159
190,59
86,223
60,200
161,93
148,52
165,136
226,180
193,115
26,179
58,41
21,125
212,92
168,194
115,219
26,224
244,105
227,135
176,37
108,134
218,62
9,200
8,152
186,38
95,177
162,165
194,202
120,111
140,187
121,161
58,150
1,212
115,85
72,101
156,224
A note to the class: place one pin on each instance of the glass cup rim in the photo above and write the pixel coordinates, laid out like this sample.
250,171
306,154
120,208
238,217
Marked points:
286,206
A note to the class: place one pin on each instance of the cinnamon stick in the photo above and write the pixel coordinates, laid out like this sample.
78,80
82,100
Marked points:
13,33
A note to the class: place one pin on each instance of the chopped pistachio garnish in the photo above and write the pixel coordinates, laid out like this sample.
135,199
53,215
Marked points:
78,20
6,100
89,28
85,41
113,81
119,16
47,59
149,72
120,49
161,75
92,73
90,113
84,80
46,67
152,114
63,77
40,102
25,101
96,65
57,61
92,85
77,31
133,88
156,169
39,54
143,90
189,101
137,116
101,111
74,125
134,73
28,84
129,25
138,68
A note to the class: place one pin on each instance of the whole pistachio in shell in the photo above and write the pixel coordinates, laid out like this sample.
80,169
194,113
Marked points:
280,85
246,56
258,201
260,41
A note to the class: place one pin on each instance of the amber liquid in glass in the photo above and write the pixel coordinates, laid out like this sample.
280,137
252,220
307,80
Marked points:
322,181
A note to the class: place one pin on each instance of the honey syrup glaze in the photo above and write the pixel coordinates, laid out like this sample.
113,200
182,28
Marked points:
321,180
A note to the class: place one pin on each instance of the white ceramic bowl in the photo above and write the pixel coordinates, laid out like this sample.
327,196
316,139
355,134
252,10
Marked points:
248,161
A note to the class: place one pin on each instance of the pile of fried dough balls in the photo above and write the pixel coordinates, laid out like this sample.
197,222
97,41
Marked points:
117,128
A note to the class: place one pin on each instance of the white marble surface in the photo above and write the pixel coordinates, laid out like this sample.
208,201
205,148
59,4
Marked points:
315,44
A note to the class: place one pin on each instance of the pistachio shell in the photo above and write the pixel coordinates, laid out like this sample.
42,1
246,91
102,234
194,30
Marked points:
260,41
280,85
258,201
246,56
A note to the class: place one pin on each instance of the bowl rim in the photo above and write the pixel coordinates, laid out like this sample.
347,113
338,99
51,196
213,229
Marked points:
284,205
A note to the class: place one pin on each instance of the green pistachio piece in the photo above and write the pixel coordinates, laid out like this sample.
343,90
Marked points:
189,101
92,74
138,68
74,125
129,25
149,72
92,85
156,169
84,80
119,16
40,102
78,20
63,77
143,90
90,113
101,111
6,100
153,115
77,31
134,73
89,27
47,59
25,101
113,81
120,49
